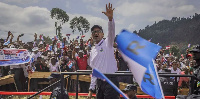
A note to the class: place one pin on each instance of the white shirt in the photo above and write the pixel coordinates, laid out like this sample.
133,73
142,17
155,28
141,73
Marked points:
102,55
53,68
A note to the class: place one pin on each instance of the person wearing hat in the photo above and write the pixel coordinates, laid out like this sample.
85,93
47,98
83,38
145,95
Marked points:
56,93
102,58
131,91
196,69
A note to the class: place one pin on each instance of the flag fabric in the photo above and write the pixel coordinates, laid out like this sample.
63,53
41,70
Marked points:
68,34
140,53
98,74
41,37
56,37
182,56
164,60
6,43
189,45
82,36
77,37
150,40
167,47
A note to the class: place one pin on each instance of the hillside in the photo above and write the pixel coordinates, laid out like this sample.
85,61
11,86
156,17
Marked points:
177,31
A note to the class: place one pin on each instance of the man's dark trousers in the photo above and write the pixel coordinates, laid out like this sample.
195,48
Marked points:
105,90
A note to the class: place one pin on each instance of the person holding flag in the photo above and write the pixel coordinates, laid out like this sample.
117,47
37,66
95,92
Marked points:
102,58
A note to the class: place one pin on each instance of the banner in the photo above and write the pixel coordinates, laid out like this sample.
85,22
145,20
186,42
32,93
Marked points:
14,57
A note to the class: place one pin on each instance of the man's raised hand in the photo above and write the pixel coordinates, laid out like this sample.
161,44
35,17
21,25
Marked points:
109,11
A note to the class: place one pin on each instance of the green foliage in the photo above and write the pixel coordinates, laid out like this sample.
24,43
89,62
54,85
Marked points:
47,39
177,31
60,16
80,23
174,50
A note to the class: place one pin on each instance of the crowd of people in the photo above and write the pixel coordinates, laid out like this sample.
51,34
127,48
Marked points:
61,56
74,56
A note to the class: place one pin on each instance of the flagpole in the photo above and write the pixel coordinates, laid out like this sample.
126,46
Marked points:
158,79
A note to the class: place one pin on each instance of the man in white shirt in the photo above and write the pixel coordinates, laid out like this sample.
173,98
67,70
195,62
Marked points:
102,58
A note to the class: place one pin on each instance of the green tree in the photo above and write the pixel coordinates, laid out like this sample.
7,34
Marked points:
61,17
80,23
174,50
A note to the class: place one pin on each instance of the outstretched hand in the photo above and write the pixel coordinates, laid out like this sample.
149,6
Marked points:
109,11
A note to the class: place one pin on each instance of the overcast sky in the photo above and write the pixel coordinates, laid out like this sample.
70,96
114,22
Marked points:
33,16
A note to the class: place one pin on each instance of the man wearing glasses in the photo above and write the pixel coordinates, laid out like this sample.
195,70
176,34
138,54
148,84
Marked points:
102,58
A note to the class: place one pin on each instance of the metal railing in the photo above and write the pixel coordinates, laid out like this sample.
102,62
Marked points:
126,73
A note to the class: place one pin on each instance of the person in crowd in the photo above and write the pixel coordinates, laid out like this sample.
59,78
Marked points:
102,58
175,68
53,65
131,91
184,81
81,60
122,66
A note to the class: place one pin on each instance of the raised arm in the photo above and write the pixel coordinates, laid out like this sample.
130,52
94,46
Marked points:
111,24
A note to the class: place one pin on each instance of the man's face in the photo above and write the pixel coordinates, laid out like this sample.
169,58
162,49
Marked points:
81,40
80,54
69,53
97,34
131,93
175,65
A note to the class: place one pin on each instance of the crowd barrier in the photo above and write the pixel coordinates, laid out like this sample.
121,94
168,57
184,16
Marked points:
71,94
88,72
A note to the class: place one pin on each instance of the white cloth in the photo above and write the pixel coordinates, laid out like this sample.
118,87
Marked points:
102,55
54,67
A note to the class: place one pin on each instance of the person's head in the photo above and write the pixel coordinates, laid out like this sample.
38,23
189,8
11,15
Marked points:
71,47
69,53
76,49
39,59
25,46
80,53
53,61
81,41
175,65
196,54
97,33
130,90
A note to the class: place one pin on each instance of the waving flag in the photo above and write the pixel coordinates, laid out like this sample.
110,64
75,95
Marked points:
167,47
68,34
189,45
98,74
6,43
77,37
140,53
82,36
150,40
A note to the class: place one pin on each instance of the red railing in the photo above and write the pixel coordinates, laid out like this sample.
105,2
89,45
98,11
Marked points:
70,94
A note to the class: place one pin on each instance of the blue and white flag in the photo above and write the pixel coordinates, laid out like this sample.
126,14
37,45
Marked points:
14,57
6,43
98,74
140,53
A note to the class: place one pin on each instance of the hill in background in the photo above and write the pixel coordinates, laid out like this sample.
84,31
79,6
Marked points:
177,31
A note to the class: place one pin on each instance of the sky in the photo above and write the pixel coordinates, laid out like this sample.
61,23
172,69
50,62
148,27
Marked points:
33,16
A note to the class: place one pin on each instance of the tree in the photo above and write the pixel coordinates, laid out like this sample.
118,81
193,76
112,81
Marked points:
61,17
80,23
174,50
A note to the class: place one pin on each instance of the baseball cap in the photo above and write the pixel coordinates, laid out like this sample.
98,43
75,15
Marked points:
130,87
96,26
